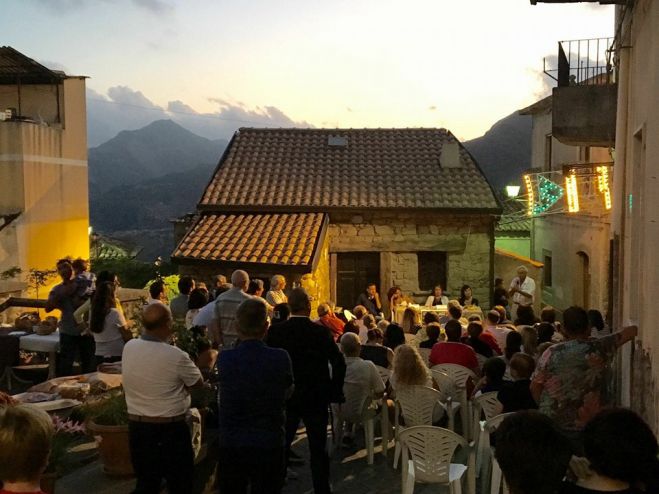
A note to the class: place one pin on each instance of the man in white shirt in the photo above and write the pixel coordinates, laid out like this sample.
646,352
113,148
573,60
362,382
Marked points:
522,290
362,377
156,378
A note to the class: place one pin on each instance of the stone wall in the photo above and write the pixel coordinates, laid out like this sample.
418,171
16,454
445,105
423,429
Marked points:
468,241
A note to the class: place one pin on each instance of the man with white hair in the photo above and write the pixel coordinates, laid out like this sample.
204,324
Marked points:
226,307
522,290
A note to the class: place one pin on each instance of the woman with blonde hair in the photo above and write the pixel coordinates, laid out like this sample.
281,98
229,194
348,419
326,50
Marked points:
409,369
276,293
529,340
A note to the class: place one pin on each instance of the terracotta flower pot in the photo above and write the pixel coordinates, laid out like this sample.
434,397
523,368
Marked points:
113,447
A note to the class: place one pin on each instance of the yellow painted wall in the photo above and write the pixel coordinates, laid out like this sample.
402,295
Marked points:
43,175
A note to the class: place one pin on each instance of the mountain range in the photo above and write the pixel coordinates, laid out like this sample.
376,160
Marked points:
142,179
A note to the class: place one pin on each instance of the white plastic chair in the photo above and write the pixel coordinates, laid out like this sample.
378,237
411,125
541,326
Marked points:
496,477
427,455
460,376
447,391
359,408
416,404
486,405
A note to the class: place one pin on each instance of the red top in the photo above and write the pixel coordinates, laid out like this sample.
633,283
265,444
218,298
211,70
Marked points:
453,353
334,324
489,339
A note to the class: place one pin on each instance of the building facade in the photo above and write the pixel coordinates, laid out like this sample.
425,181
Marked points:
44,212
334,210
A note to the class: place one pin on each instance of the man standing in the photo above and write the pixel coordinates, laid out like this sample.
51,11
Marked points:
572,382
522,291
255,382
156,378
226,306
71,340
157,294
311,349
179,304
371,300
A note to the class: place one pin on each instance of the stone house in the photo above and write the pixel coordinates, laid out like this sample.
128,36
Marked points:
335,209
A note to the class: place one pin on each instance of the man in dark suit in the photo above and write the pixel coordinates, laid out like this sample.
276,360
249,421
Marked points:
311,347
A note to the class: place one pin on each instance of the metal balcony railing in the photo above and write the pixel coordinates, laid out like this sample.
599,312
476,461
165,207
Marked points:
582,62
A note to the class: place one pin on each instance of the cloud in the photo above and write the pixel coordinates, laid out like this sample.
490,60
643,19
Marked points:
158,7
124,108
61,6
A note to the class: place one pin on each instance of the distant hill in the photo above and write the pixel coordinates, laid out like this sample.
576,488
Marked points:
504,151
160,148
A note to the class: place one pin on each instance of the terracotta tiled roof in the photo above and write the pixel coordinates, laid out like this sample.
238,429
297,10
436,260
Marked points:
283,239
298,170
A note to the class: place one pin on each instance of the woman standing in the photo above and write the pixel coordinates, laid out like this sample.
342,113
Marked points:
107,324
276,293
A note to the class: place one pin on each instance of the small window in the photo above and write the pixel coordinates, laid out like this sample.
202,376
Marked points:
432,269
547,270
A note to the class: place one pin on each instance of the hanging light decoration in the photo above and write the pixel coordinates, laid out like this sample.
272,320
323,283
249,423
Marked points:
603,185
549,193
530,194
572,194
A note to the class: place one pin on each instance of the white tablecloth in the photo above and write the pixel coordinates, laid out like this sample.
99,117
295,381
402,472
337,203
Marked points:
37,343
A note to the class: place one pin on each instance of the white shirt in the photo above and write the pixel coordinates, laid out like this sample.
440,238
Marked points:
431,299
155,375
205,315
109,342
365,374
528,286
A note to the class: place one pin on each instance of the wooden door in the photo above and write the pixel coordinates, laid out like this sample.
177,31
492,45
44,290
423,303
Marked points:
354,270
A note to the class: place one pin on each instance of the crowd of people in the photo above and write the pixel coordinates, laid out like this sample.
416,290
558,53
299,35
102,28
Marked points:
278,365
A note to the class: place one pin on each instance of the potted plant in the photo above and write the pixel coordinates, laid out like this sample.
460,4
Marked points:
107,420
68,434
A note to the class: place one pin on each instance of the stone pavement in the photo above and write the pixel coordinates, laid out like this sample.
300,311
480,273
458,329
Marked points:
350,474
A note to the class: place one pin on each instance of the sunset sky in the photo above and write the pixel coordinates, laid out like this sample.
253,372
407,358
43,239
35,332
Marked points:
460,64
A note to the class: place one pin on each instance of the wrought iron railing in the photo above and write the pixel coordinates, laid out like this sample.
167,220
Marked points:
582,62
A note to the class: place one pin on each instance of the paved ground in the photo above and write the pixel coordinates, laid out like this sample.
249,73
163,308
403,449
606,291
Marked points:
350,473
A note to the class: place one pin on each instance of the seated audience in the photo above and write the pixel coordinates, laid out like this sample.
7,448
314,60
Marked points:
197,300
360,372
504,320
493,371
571,381
433,332
26,435
437,297
532,453
525,316
622,452
466,297
515,395
499,332
513,346
359,312
394,336
452,351
529,340
543,346
545,332
375,351
351,327
474,332
455,313
411,321
409,369
327,318
548,314
369,323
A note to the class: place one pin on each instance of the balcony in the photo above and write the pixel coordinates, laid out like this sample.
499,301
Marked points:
585,99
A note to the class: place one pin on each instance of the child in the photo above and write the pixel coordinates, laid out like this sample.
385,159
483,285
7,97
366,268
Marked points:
85,281
494,369
516,395
25,440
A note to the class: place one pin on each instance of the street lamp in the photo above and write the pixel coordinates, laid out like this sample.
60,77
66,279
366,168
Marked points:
512,191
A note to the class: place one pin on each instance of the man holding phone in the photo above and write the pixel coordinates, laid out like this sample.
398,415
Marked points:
522,290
